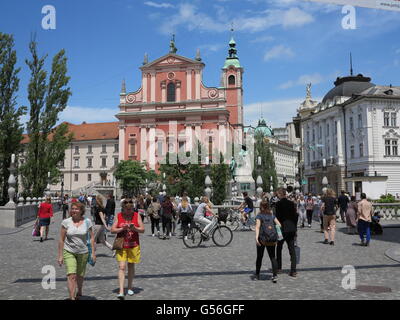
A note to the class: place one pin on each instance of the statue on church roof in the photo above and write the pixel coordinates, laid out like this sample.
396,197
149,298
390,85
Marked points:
172,48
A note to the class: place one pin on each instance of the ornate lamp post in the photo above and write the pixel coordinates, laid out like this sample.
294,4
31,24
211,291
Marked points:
324,179
271,187
259,181
284,181
47,191
208,182
62,187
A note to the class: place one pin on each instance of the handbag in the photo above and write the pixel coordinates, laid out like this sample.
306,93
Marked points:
90,260
36,229
118,243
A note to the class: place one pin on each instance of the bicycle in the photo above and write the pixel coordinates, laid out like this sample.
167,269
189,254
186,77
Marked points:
250,223
233,220
221,235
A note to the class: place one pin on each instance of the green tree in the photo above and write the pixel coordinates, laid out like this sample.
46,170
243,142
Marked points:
267,169
131,175
47,143
10,127
219,178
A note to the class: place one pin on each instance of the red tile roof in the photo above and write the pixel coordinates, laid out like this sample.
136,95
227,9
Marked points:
89,131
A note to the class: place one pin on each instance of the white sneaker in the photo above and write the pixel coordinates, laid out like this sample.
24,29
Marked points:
130,293
186,237
153,235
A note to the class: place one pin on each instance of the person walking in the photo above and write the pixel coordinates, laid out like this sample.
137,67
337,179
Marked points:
264,220
287,217
45,214
185,212
329,215
175,216
153,211
73,250
100,223
141,207
351,216
128,225
65,203
167,211
364,218
343,202
110,210
309,208
301,210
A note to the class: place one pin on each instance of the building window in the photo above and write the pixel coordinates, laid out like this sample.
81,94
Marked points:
159,148
89,162
394,147
76,177
89,149
103,148
116,147
132,150
313,155
386,119
336,149
76,163
231,80
327,129
320,132
336,127
62,163
308,158
352,152
328,148
361,150
313,135
393,120
115,161
387,147
351,123
76,150
103,162
171,92
360,121
181,146
89,177
308,136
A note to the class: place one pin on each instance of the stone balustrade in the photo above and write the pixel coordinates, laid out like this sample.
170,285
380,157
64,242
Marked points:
388,211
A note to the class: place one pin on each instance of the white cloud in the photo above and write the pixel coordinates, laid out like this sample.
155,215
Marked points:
276,112
206,48
278,52
262,39
77,115
158,5
295,17
303,80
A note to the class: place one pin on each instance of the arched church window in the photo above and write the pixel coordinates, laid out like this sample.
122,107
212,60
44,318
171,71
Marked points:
231,80
171,92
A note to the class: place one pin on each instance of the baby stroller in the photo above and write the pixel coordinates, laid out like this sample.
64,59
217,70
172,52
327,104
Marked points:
376,227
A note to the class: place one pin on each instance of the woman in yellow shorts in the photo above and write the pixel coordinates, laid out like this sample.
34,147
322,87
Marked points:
73,250
128,225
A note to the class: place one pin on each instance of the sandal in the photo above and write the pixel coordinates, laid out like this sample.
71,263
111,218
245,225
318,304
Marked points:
121,296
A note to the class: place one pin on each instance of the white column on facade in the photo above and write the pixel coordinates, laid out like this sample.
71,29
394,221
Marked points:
340,141
143,144
144,86
152,147
153,87
222,138
178,92
163,92
189,138
121,142
197,84
189,84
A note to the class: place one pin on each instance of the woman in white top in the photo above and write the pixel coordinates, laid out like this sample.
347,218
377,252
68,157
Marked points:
200,215
72,248
301,210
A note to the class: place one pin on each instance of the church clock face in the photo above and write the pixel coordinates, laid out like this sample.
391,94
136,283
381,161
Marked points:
170,60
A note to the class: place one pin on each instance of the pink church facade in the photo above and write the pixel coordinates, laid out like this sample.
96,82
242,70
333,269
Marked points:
173,108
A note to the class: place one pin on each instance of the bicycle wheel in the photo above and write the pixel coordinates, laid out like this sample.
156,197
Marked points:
193,239
222,236
232,223
252,224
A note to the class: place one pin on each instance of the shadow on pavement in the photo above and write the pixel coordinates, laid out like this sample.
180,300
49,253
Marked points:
213,273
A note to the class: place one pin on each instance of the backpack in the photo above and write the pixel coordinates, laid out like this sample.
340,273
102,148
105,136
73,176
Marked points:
268,234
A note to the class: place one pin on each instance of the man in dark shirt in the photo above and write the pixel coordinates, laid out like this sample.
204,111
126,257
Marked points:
287,215
343,202
246,208
110,210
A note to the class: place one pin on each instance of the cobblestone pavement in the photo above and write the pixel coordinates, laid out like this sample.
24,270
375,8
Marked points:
171,271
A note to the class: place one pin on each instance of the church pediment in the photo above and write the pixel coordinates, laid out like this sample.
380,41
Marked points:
171,60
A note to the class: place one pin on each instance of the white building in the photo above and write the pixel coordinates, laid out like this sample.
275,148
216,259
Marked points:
355,132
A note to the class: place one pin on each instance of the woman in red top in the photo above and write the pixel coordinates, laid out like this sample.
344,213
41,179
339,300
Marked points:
128,225
45,213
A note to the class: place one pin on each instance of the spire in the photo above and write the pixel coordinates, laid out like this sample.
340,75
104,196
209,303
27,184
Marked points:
172,48
198,58
123,87
146,59
351,65
232,58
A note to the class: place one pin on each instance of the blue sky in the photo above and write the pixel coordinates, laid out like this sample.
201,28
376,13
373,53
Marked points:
282,45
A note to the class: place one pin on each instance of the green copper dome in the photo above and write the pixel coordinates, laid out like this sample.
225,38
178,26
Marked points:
232,59
263,129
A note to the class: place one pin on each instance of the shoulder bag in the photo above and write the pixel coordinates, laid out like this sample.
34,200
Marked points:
90,260
118,242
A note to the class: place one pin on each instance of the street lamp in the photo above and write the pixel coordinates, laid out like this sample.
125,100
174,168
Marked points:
271,187
325,184
284,181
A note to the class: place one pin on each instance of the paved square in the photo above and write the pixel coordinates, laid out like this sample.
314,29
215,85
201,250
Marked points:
171,271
